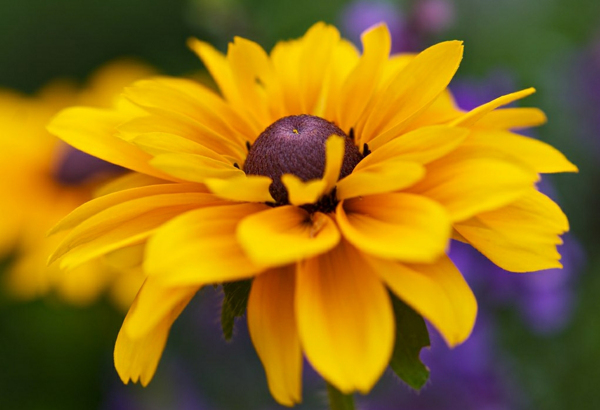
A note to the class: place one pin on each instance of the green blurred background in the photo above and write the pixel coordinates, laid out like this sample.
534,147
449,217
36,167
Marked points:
53,356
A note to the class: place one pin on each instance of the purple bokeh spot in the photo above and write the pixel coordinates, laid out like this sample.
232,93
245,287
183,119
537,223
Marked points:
77,167
470,93
360,15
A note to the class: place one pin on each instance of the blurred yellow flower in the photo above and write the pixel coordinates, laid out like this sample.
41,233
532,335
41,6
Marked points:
44,179
328,177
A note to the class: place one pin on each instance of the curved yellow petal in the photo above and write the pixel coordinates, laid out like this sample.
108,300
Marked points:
345,318
137,353
201,247
171,123
125,224
512,118
520,237
300,192
195,168
472,117
92,130
436,291
193,100
253,74
467,183
344,57
385,176
95,206
128,181
286,234
362,81
158,143
541,157
423,145
218,67
247,188
272,327
397,226
422,80
317,46
153,303
334,157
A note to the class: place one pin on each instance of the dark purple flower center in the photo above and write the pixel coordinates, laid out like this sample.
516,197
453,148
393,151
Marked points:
296,145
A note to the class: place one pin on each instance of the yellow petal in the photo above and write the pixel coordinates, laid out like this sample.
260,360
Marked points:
473,116
385,176
253,75
398,226
92,130
344,58
201,247
128,181
172,124
361,82
520,237
97,205
345,318
286,234
272,327
541,157
195,168
218,67
317,46
414,88
436,291
125,224
153,303
423,145
193,100
300,192
137,353
334,157
467,183
286,58
442,110
512,118
157,143
250,188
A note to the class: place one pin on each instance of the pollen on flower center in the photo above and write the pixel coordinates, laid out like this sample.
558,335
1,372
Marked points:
296,145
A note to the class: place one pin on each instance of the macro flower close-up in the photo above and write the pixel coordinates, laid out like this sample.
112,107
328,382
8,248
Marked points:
323,187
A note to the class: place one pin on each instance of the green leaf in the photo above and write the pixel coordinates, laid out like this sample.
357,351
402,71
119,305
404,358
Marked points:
235,301
339,400
411,337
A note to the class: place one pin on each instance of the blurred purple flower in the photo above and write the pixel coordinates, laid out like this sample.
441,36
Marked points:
469,376
470,93
544,299
360,15
410,30
76,167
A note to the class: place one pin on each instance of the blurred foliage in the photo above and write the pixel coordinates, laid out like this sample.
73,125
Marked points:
57,357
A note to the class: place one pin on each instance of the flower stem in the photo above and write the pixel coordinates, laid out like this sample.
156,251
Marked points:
339,400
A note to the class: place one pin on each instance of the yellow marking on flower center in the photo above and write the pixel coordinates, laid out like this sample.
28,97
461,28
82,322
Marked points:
295,131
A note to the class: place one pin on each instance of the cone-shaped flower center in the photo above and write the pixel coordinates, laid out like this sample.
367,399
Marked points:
296,145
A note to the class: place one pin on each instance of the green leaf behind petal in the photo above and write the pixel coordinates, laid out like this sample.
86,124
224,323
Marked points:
411,337
235,302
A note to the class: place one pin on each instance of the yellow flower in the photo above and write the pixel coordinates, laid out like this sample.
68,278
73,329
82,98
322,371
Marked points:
329,178
37,194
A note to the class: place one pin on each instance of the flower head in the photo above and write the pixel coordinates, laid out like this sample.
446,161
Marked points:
44,179
334,180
